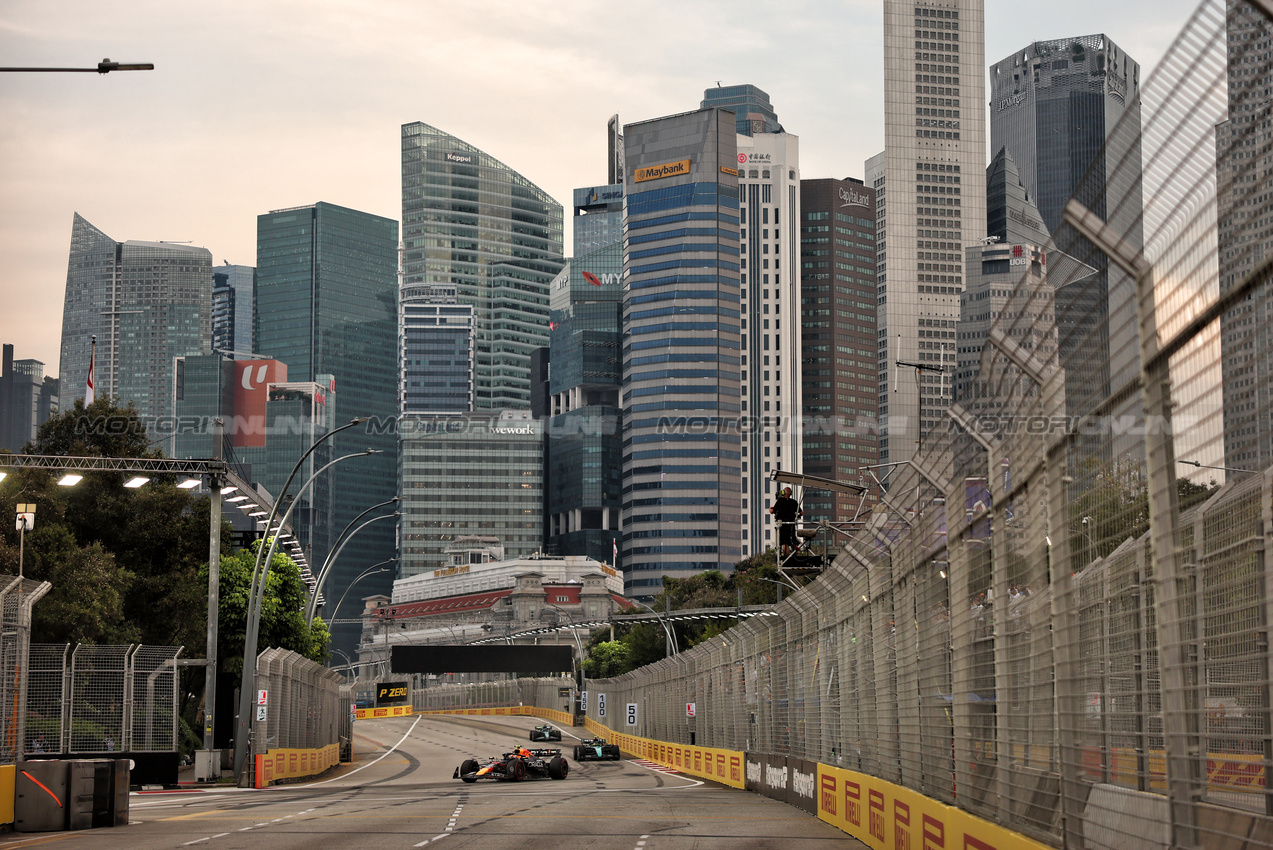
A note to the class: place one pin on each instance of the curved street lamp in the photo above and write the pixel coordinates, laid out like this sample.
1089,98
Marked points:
331,559
673,646
253,619
369,571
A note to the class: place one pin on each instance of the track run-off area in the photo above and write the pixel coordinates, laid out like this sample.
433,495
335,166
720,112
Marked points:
398,793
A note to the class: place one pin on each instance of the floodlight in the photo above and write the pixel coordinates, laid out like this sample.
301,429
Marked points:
189,484
136,481
70,479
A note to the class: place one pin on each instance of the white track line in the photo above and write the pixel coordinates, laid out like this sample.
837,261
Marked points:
418,718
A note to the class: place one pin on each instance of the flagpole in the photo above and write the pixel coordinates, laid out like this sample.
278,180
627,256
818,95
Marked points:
89,395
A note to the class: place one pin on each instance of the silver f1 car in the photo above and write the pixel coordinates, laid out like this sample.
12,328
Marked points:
521,763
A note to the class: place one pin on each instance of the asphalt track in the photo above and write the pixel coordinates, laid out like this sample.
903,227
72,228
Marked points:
399,793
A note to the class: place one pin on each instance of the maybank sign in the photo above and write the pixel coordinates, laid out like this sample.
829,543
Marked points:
658,172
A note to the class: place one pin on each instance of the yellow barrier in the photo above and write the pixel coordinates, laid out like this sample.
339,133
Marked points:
723,766
8,782
889,817
293,763
565,718
383,711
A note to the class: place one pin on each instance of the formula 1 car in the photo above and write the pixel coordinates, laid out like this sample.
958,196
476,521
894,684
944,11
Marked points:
521,763
596,749
545,733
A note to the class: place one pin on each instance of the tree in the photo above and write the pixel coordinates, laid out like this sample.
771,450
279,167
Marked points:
282,610
141,547
607,659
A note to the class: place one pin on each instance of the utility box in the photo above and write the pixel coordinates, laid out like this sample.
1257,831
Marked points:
207,765
39,798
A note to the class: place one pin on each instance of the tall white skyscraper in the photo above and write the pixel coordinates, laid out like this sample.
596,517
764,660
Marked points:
769,230
931,203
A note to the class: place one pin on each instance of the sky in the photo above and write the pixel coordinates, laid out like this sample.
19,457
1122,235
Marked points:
255,106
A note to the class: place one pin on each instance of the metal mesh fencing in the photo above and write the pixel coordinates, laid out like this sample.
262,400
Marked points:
1045,621
306,705
94,699
17,595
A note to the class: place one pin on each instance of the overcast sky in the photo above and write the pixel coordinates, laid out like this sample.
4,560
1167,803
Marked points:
254,106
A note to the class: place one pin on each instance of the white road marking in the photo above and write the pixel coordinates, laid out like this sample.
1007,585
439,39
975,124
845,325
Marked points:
196,841
360,767
428,840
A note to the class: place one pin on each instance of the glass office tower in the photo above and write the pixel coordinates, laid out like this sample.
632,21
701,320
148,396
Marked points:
930,203
470,221
326,303
753,113
470,473
233,303
682,350
584,453
436,334
1054,105
146,302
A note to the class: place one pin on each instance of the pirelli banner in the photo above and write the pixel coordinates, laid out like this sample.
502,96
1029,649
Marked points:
723,766
383,711
887,817
288,763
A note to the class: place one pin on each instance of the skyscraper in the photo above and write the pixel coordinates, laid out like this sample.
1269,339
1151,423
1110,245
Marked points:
146,302
233,306
27,399
1054,105
752,111
930,190
326,304
466,474
471,222
682,349
769,230
838,348
1244,144
584,452
436,335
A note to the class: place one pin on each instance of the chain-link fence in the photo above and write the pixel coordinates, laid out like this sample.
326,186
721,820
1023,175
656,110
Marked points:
551,693
99,699
307,706
17,595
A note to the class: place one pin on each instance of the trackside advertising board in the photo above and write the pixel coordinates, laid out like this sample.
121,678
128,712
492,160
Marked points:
885,816
384,711
287,763
793,781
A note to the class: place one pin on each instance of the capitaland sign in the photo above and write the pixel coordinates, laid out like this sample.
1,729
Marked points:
459,157
657,172
852,197
1006,103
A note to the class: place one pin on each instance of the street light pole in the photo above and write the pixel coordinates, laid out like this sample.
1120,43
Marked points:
369,571
673,647
250,636
331,559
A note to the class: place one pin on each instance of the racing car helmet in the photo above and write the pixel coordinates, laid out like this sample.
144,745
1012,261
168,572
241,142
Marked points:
523,752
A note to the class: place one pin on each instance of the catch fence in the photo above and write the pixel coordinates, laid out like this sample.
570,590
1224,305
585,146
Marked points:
17,596
301,708
99,699
1044,622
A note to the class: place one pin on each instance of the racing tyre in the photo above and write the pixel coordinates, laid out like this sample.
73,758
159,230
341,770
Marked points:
516,770
469,766
577,754
615,754
558,768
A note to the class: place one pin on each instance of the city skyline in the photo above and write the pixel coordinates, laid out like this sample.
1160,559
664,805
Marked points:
122,175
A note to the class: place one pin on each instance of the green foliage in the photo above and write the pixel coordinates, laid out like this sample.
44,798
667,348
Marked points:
282,610
123,562
607,659
755,581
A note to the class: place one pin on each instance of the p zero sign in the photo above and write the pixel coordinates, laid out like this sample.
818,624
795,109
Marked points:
657,172
391,693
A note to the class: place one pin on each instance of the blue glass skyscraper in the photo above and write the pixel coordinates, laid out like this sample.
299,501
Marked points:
682,349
